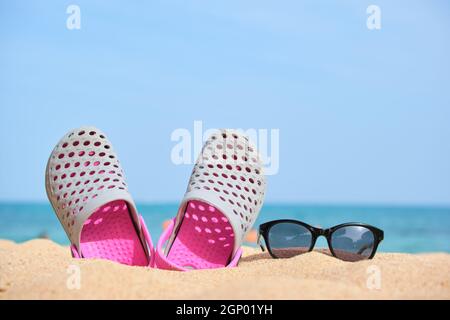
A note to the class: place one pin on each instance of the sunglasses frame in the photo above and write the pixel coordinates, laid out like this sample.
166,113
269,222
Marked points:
316,233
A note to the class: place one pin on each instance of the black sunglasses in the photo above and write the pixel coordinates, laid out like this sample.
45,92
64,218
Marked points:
349,241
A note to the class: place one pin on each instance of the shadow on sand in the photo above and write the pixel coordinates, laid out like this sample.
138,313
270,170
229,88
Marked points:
266,255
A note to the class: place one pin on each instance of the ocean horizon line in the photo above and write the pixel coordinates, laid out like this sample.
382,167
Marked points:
287,204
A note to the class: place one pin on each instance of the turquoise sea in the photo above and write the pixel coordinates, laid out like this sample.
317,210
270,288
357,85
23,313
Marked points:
407,229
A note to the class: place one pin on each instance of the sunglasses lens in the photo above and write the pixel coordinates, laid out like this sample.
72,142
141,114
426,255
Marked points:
353,243
289,239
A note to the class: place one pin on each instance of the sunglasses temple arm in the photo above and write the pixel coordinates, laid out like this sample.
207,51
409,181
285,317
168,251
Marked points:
260,242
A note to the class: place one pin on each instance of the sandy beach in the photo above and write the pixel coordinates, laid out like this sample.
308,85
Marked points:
42,269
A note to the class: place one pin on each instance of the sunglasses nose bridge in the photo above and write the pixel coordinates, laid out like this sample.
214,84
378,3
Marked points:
321,232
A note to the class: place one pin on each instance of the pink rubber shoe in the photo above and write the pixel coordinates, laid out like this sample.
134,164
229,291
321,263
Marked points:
86,187
223,200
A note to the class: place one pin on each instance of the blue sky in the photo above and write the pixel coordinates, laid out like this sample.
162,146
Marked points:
363,115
